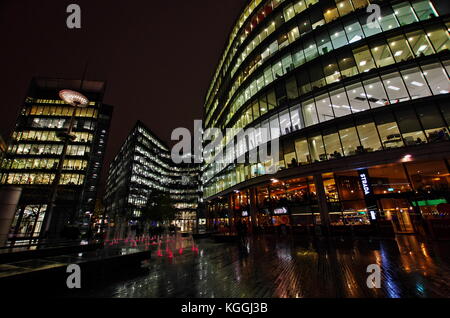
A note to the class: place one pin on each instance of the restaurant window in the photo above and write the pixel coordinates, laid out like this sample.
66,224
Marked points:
349,140
415,82
332,197
339,102
400,49
381,54
338,36
368,135
389,179
309,113
404,12
432,122
410,127
324,109
376,95
348,185
357,97
301,148
429,176
395,88
437,78
363,59
419,43
332,144
388,130
316,148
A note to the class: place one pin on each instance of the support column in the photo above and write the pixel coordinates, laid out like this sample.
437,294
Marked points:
322,201
9,198
253,206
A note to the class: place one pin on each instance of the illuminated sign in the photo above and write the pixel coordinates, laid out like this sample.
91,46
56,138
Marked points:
244,213
373,215
365,183
282,210
201,221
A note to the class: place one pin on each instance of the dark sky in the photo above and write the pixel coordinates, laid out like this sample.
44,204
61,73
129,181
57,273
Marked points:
157,56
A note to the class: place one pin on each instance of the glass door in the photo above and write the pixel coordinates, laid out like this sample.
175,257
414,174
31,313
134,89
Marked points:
397,211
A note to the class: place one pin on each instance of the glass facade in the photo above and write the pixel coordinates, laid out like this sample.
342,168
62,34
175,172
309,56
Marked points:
331,85
143,165
32,157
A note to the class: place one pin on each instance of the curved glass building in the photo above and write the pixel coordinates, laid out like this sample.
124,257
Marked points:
360,104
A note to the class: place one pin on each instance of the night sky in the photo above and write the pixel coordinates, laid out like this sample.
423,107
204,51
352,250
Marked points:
157,57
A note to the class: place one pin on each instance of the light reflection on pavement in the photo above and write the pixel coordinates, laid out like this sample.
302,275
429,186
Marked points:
268,266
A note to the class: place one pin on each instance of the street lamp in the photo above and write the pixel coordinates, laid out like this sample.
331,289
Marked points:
76,100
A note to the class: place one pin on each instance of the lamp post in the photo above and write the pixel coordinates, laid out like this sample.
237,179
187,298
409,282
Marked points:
76,100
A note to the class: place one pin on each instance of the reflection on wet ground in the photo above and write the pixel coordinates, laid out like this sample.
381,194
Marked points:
283,267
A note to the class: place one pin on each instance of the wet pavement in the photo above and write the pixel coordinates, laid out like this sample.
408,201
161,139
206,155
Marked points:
268,266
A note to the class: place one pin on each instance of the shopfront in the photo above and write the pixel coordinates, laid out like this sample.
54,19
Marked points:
397,198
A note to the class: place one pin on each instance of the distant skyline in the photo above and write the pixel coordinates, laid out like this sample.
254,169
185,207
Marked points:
157,57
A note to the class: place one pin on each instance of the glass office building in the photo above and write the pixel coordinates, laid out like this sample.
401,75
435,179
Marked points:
360,105
34,151
142,165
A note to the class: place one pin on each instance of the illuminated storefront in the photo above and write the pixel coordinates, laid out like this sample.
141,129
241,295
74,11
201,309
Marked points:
32,157
337,91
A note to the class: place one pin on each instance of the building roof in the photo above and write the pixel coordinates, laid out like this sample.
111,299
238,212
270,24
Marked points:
75,84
